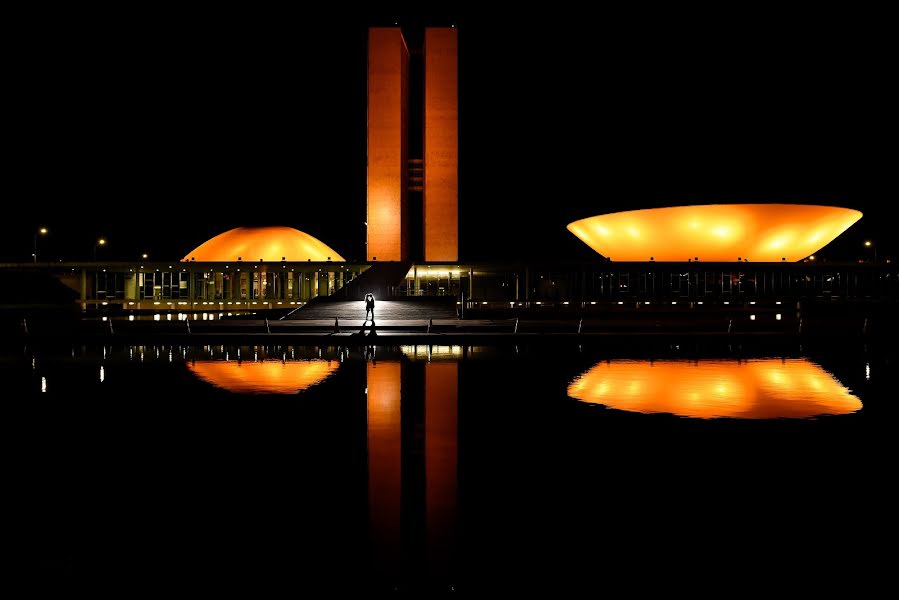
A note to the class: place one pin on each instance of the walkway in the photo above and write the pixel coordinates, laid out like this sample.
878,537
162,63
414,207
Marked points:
413,309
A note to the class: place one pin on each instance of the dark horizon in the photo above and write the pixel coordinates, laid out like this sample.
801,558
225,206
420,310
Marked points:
159,133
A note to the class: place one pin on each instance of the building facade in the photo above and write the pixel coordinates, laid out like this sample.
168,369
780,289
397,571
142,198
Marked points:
394,177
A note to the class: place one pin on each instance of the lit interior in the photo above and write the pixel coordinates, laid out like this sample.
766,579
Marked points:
264,377
715,232
266,243
748,389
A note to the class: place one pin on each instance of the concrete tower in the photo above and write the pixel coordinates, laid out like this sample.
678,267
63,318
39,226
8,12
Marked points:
441,146
435,175
388,116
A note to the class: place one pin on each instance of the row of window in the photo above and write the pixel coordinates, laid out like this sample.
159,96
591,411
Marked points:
177,285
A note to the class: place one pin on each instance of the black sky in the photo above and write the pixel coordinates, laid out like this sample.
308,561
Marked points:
159,130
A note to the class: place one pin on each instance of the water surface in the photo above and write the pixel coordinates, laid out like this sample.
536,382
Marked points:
438,468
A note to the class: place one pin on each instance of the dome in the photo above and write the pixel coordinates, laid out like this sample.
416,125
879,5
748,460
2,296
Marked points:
715,232
268,243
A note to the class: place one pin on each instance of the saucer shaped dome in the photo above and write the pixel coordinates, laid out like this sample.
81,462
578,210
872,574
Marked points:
715,232
266,243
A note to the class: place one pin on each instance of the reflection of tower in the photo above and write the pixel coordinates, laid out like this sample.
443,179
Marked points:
389,230
441,463
384,461
412,502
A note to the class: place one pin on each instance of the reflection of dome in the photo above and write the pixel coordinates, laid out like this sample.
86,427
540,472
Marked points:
266,377
715,232
750,389
267,243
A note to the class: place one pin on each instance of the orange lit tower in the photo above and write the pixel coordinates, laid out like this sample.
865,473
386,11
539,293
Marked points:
441,145
392,175
388,92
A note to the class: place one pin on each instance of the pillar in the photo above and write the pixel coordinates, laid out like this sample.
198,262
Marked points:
388,91
441,463
441,145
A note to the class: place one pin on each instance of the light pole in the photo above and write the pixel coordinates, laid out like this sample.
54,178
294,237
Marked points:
100,242
872,245
41,231
366,240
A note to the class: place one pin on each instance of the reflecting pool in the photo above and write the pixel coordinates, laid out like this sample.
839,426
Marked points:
436,469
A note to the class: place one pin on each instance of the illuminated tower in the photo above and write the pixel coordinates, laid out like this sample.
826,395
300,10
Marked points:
441,146
388,116
392,175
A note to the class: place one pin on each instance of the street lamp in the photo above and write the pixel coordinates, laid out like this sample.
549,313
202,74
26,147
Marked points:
41,231
870,244
100,242
144,256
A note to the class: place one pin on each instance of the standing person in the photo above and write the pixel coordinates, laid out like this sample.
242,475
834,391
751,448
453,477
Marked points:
370,306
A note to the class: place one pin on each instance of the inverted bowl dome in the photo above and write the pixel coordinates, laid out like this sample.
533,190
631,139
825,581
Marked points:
715,232
267,243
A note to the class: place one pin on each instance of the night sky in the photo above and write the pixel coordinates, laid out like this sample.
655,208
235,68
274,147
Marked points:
160,130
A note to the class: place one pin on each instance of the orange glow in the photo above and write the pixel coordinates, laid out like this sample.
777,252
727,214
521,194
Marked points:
266,377
715,232
388,93
385,484
267,243
441,456
441,145
750,389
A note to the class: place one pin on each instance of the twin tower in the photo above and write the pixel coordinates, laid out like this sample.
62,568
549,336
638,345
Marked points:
400,229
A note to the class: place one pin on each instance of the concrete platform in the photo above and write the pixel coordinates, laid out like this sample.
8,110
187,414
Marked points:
387,310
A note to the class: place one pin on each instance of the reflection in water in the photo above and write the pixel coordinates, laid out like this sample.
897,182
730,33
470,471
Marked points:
441,462
384,461
265,377
383,472
748,389
394,474
430,352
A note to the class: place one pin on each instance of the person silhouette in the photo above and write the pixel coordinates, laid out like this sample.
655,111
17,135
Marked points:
369,306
